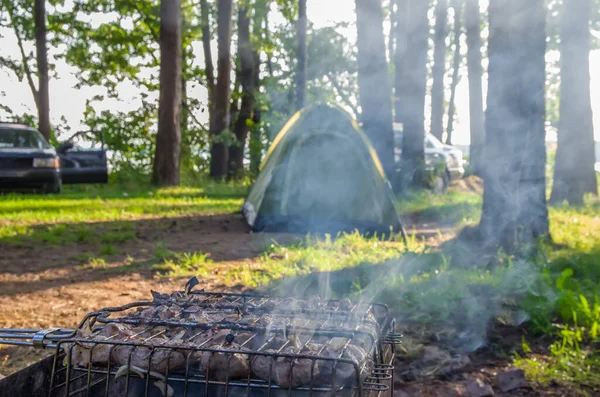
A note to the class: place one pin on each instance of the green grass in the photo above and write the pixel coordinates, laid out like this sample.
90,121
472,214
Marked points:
315,255
185,265
429,288
450,208
106,213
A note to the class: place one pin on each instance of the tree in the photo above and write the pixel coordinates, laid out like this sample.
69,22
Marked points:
439,63
375,90
219,150
399,56
455,69
475,70
574,173
208,60
301,65
43,101
247,78
414,90
514,201
33,26
168,138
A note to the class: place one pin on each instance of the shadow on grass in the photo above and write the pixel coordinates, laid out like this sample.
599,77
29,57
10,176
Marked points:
201,232
444,214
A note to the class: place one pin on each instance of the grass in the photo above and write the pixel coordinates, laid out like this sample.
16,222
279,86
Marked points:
450,208
105,213
314,255
184,265
555,292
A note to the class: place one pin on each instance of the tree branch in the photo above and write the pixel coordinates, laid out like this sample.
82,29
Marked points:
26,69
340,93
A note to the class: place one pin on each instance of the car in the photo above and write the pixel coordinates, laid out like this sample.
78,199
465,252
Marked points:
28,161
79,165
443,163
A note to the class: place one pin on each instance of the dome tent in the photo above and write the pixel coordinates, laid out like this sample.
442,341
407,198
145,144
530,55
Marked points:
321,175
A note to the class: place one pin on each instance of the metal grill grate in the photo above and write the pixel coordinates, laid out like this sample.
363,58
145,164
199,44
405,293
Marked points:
211,344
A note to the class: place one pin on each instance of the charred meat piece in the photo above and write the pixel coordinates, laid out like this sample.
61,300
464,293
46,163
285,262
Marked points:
345,373
286,372
226,365
96,353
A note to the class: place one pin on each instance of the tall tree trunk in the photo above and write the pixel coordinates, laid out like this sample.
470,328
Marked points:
255,144
186,161
219,151
168,138
472,15
455,69
255,141
208,60
247,79
43,93
399,57
234,108
269,55
574,173
514,201
375,90
301,66
439,69
414,89
185,112
392,34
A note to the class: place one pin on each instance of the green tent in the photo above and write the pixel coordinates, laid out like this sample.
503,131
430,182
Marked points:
321,175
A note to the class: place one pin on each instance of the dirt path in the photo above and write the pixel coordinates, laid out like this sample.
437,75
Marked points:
43,287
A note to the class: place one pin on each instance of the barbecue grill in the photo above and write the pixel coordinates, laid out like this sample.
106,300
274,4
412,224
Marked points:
201,344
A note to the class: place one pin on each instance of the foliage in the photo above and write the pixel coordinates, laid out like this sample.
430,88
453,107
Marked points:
331,72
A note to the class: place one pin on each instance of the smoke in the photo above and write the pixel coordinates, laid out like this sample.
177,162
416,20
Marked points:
436,296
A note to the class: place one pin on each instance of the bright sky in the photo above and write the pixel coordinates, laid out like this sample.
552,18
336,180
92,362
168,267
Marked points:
70,103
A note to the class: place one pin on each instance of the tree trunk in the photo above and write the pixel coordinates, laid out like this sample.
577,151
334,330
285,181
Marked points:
209,68
301,67
255,141
399,57
455,70
247,79
168,138
185,113
514,203
43,93
392,34
574,173
255,144
439,69
374,87
219,151
413,90
472,15
267,36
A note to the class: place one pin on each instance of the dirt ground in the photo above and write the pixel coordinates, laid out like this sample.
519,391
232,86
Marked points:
43,287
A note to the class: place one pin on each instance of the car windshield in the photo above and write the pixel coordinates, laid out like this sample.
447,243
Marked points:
22,139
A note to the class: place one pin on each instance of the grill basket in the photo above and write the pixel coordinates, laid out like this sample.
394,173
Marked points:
201,344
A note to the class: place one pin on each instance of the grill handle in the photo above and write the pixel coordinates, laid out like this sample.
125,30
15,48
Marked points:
36,338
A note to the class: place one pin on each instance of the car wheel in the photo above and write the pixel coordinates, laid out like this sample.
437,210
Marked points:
53,188
440,183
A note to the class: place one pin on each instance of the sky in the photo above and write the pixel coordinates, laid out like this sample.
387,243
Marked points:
68,102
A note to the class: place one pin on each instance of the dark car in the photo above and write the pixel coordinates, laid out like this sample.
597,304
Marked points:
28,161
78,165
